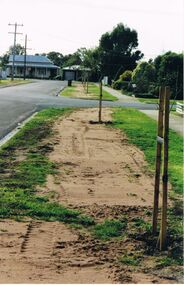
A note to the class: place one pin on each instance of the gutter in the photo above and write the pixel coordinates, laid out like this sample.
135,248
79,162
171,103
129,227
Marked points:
11,134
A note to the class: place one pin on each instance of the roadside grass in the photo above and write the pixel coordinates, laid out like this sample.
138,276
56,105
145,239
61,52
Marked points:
106,96
69,91
142,131
93,93
156,100
109,229
19,175
9,82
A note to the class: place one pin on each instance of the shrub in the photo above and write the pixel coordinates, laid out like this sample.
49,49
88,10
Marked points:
117,84
126,76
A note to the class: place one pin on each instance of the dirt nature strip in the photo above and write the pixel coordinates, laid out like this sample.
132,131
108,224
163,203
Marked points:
102,175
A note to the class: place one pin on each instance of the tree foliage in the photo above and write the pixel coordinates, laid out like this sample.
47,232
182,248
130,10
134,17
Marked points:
56,57
126,75
19,50
169,72
118,51
144,75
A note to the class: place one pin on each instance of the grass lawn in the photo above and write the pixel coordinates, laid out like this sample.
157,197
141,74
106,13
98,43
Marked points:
9,82
94,90
76,91
156,101
142,131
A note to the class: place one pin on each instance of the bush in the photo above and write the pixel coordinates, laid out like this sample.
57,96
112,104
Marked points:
126,76
117,84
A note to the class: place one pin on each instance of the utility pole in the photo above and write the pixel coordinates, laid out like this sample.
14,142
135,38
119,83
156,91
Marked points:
14,46
25,51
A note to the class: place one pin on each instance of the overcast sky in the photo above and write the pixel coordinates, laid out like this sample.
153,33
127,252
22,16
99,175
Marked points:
66,25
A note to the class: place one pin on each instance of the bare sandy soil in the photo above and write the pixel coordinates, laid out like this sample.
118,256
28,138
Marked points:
101,175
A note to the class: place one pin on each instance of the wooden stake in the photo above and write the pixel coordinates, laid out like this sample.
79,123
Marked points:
163,230
100,103
158,160
87,84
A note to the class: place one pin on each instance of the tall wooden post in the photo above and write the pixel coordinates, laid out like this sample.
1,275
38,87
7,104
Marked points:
163,230
100,102
158,159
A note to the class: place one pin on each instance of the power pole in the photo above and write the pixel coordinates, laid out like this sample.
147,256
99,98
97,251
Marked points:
14,46
25,51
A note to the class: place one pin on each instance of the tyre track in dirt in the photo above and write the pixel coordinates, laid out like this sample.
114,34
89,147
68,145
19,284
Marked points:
98,165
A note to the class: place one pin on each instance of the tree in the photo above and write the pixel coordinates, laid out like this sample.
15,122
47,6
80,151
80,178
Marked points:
4,60
144,76
56,57
169,72
90,59
118,51
72,59
19,50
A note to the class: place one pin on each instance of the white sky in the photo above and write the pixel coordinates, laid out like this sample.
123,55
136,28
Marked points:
66,25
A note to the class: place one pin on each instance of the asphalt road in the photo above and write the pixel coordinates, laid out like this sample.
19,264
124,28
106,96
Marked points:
19,102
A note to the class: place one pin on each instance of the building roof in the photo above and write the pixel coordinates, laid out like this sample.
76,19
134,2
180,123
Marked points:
32,61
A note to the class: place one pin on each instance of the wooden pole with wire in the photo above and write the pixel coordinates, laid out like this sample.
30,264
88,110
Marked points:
158,159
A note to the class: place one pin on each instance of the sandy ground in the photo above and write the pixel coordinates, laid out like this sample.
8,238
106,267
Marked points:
97,164
100,174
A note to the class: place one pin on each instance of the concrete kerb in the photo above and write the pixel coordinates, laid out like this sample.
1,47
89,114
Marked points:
12,133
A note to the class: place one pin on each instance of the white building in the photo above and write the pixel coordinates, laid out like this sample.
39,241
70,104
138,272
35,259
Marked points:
34,66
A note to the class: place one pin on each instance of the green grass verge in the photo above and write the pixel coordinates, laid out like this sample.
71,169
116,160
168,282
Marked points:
9,82
69,91
142,131
109,229
19,176
156,100
93,92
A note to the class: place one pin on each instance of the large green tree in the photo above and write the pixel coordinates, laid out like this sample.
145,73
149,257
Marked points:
169,72
19,50
144,76
56,57
118,51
